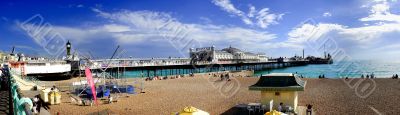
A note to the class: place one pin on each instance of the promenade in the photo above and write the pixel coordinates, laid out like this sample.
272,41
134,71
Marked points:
4,102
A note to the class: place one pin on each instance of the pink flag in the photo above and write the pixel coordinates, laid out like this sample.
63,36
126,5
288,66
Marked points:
91,83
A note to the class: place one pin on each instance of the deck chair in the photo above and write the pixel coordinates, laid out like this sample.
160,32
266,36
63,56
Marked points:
73,101
250,109
264,108
115,99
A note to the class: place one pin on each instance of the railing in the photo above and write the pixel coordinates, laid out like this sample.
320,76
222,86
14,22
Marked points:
18,104
140,63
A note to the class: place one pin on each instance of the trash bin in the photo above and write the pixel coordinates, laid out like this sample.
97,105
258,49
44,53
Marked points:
57,98
52,98
44,95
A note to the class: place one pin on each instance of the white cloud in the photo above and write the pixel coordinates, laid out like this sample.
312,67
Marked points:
116,28
327,14
80,6
356,41
206,20
252,11
380,11
230,8
262,18
130,28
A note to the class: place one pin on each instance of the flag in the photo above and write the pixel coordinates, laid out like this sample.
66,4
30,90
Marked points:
90,81
271,104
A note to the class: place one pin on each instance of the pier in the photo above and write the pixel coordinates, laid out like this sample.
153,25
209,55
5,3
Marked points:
164,67
201,60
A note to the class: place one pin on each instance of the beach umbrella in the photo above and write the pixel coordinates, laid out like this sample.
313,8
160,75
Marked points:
192,111
274,112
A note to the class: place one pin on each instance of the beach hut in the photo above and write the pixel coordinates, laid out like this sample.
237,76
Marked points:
279,87
192,111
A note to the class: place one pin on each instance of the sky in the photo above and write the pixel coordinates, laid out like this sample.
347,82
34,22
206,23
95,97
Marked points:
360,29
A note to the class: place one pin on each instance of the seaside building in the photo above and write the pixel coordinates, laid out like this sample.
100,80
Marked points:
280,88
226,55
41,66
2,57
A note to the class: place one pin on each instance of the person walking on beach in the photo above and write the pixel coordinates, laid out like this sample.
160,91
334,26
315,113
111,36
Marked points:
110,99
36,104
372,75
367,76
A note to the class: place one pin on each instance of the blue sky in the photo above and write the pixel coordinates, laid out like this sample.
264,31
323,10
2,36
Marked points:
362,29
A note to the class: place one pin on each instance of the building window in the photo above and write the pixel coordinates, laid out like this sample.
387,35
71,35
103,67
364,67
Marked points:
277,93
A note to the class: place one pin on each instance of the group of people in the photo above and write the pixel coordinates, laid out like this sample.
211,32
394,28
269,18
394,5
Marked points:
321,76
395,76
368,76
165,77
38,103
225,77
3,78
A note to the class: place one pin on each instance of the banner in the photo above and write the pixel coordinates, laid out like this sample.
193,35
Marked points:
89,78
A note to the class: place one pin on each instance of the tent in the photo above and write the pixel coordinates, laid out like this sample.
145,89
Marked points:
192,111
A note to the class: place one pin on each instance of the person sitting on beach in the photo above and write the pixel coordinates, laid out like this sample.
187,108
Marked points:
372,75
55,89
362,76
148,79
319,76
323,75
280,107
367,76
309,109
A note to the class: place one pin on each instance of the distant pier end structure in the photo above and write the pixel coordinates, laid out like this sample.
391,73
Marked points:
226,55
279,88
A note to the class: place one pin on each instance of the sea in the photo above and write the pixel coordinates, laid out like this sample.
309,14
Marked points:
351,69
